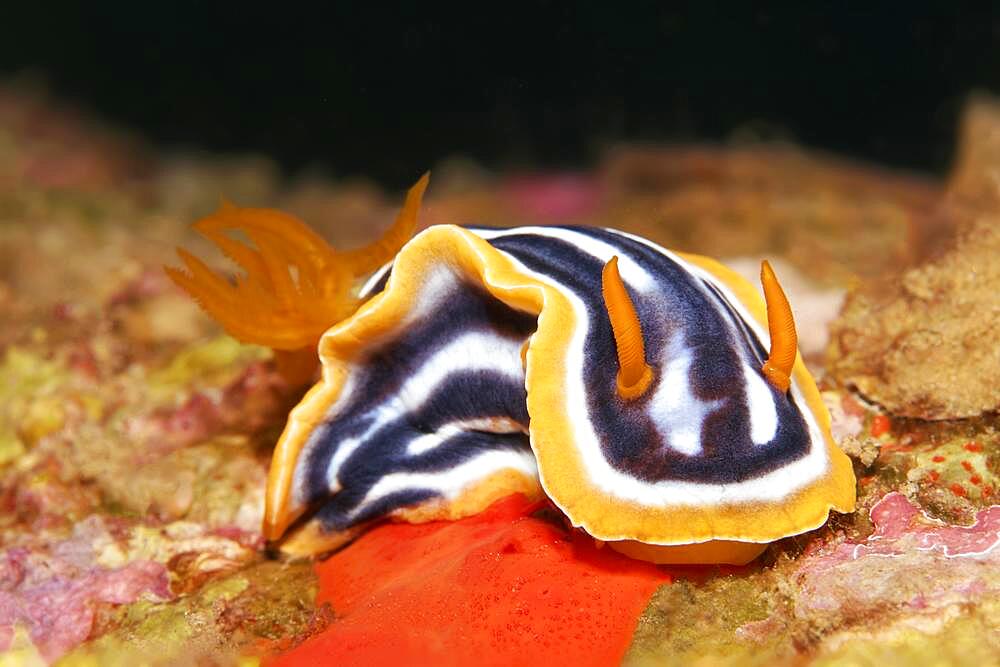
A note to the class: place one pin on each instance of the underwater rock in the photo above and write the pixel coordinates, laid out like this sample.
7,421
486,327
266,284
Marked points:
912,571
974,178
225,618
950,469
44,144
147,441
53,594
134,439
923,342
765,200
107,576
957,477
914,581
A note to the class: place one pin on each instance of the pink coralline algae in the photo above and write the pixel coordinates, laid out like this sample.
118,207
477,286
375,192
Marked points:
898,524
912,570
902,529
247,404
55,599
910,563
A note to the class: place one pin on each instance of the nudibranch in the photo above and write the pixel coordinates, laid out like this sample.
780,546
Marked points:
651,395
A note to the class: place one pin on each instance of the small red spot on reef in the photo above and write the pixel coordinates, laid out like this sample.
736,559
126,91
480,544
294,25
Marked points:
880,425
938,459
499,588
959,490
973,446
967,466
976,479
934,475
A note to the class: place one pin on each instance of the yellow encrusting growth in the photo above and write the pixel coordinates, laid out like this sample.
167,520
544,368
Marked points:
781,325
634,374
295,285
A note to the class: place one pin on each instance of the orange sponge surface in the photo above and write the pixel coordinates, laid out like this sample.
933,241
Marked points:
499,588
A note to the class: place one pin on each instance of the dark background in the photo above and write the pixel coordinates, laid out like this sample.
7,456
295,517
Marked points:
386,90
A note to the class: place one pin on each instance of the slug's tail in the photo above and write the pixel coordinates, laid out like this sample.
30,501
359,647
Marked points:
295,285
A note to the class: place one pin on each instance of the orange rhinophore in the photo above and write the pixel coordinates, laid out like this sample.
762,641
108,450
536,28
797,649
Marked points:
781,325
295,285
634,374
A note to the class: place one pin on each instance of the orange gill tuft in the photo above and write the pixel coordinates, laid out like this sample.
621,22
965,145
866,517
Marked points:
295,285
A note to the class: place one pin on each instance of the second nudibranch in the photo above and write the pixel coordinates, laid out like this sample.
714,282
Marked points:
651,395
